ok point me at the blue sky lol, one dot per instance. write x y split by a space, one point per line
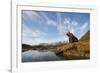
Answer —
49 27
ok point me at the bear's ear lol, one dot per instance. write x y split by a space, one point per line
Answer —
67 33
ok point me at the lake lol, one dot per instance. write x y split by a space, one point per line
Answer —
36 56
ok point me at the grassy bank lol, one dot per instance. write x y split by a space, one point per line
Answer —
77 50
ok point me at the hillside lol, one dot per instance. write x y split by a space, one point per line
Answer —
86 37
77 50
26 47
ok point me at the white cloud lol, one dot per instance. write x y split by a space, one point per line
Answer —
73 26
84 26
31 13
51 23
27 32
47 20
34 37
74 23
83 29
34 16
30 36
59 18
64 26
44 16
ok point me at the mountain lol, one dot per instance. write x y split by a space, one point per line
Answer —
26 46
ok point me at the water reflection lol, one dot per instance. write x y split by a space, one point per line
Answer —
35 56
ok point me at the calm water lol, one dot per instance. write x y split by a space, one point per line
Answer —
35 56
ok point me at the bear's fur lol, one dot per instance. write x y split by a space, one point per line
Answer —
72 38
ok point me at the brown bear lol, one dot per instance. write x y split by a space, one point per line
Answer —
72 38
